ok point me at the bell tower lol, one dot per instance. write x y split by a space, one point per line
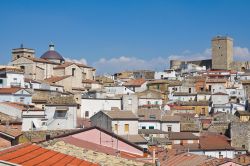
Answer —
22 52
222 52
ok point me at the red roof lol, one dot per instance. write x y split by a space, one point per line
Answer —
137 82
9 90
214 142
30 154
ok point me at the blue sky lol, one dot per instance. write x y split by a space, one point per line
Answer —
114 35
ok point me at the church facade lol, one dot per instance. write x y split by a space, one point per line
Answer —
52 68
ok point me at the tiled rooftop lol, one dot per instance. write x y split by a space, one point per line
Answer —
92 152
55 79
136 83
9 90
214 142
121 114
30 154
9 131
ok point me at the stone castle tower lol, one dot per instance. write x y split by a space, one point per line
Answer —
222 52
22 52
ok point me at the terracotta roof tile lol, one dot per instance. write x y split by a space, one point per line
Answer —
135 138
9 90
121 114
10 131
182 136
66 64
40 60
11 69
21 106
149 114
214 142
168 118
35 155
135 83
55 79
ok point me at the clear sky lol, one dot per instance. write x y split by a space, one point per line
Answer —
116 35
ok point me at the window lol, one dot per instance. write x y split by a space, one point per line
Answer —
203 111
21 99
22 67
143 127
1 81
73 71
202 89
210 87
18 56
86 114
156 102
60 114
189 90
151 127
126 128
158 86
169 128
116 127
148 102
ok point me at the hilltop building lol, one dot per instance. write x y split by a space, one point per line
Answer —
52 68
222 57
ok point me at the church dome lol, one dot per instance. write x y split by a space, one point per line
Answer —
51 54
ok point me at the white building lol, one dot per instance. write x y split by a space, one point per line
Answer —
33 120
183 96
220 98
11 77
166 74
155 119
34 84
61 116
170 123
119 122
15 95
138 85
117 90
91 106
203 96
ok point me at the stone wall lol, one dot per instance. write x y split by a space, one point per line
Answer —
36 136
240 135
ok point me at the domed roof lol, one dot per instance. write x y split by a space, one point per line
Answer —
52 54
